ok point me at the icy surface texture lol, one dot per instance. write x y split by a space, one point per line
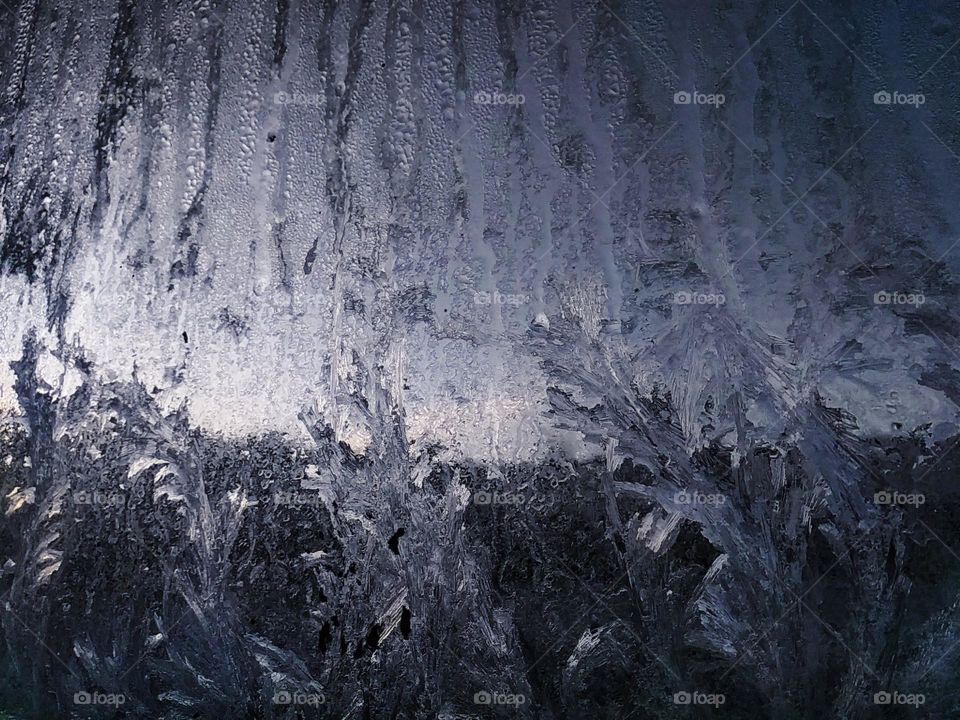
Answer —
427 359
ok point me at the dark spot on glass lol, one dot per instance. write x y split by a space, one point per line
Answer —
394 542
405 622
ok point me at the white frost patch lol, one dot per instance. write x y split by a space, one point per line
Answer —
18 497
587 642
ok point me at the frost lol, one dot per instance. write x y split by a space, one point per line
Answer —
447 360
